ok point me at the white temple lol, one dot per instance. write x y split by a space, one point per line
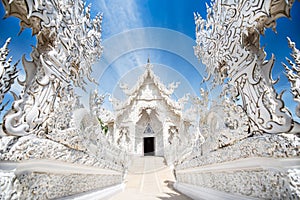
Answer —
53 148
149 120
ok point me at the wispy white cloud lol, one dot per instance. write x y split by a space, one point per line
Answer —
126 40
119 16
130 49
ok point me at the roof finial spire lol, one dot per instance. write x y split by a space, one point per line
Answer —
148 66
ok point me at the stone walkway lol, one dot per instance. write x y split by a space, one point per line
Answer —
149 178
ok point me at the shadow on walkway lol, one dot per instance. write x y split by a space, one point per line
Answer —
173 196
149 178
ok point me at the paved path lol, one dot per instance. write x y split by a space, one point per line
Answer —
149 178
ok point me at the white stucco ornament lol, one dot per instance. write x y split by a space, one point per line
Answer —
251 147
49 140
228 44
8 73
68 43
293 74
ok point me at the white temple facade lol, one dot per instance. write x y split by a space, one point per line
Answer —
51 147
149 120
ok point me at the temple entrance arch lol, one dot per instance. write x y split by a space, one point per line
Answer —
149 133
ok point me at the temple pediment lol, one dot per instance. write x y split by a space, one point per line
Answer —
148 88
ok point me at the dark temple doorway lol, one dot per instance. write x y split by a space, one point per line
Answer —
149 146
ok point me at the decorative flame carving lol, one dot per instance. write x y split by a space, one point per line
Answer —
228 44
68 44
8 73
293 74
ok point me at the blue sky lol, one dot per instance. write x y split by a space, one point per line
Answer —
131 31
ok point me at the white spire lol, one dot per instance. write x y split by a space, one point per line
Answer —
148 66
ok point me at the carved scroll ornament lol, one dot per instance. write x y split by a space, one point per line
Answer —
228 44
8 73
68 43
293 74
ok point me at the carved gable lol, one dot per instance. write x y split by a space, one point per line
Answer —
148 111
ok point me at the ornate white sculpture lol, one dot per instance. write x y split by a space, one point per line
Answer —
238 157
47 129
8 73
68 43
123 139
228 44
173 135
294 74
96 101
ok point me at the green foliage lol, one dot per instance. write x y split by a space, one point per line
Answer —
103 126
